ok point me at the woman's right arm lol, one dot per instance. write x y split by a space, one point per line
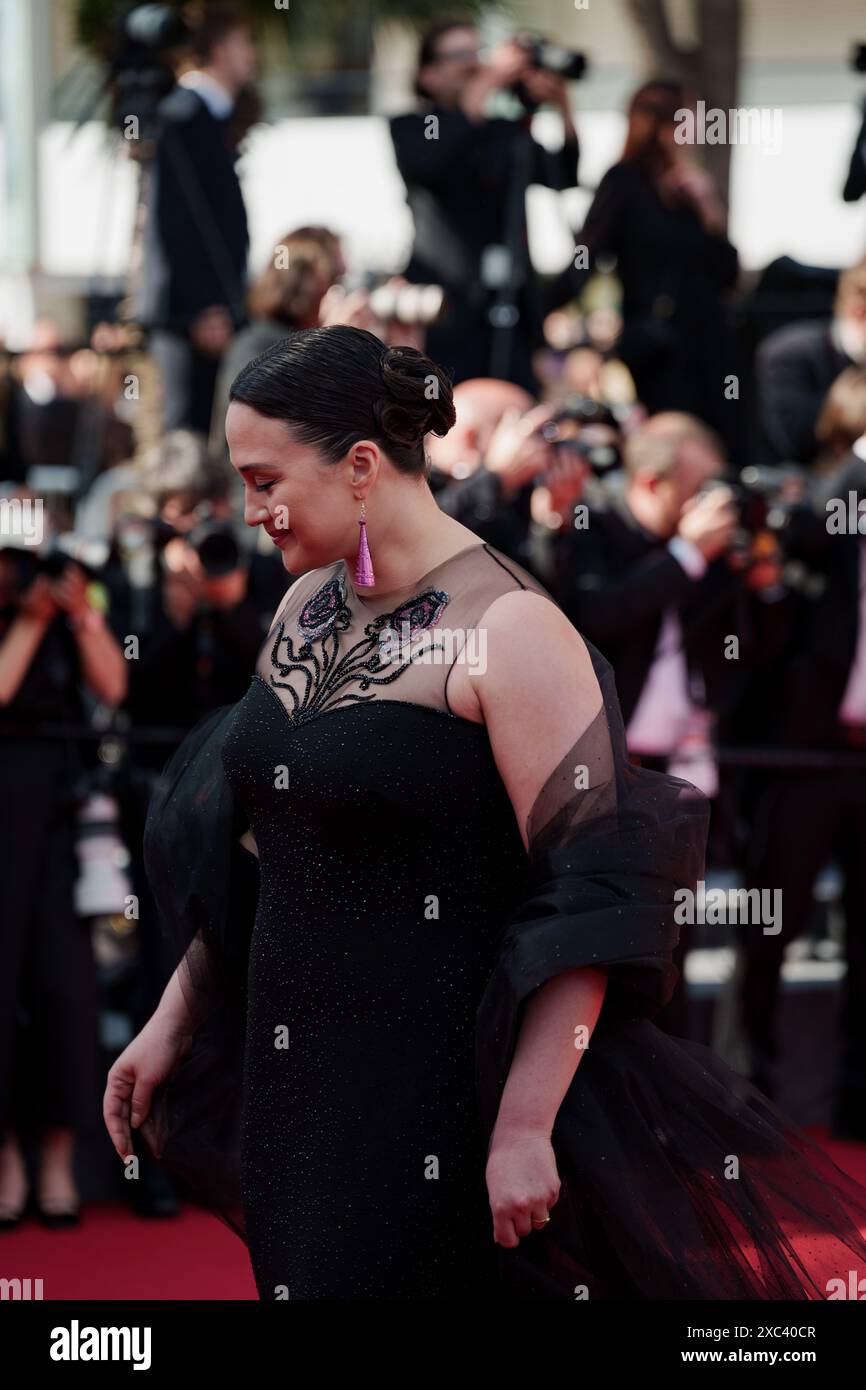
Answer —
174 1009
147 1061
167 1036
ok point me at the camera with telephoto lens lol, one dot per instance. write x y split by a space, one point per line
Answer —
25 562
216 544
588 429
763 497
553 57
140 75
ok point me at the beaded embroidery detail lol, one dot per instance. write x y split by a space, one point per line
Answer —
326 672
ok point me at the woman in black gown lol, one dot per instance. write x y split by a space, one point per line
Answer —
659 214
409 1053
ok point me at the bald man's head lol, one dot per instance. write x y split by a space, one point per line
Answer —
480 405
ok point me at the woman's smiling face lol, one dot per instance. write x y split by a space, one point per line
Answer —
306 505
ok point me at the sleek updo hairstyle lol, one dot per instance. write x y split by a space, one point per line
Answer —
334 386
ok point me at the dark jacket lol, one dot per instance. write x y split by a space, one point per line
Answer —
677 338
457 188
467 192
195 236
615 580
794 369
825 617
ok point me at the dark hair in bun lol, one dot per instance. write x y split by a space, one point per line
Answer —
334 386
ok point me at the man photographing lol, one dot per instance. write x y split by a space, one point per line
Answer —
466 178
191 295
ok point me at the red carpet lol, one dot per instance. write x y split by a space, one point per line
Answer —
115 1255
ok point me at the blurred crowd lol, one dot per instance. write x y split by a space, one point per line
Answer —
664 459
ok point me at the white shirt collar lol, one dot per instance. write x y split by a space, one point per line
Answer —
217 98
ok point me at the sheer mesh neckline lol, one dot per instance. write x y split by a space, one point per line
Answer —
373 598
330 647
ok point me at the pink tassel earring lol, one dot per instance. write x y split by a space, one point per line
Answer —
364 576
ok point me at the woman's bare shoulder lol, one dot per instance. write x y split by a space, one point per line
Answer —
535 652
537 692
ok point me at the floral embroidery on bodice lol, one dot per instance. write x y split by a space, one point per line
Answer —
329 673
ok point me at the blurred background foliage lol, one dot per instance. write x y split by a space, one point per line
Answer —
316 55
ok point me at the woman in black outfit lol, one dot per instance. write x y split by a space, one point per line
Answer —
53 643
416 1059
660 216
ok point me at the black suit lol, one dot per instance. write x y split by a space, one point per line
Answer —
458 187
794 369
801 816
615 580
195 250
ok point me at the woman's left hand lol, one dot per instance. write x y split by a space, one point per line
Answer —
522 1184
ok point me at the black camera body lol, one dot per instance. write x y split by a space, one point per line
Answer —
548 57
215 542
858 57
554 57
50 560
759 497
573 430
139 75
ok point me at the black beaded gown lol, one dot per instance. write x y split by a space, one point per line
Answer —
361 986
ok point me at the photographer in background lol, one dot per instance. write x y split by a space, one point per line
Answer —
855 183
466 191
840 422
199 603
796 366
54 646
802 816
194 256
652 579
659 214
201 613
645 555
487 469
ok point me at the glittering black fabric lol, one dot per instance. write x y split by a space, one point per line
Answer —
363 985
388 867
